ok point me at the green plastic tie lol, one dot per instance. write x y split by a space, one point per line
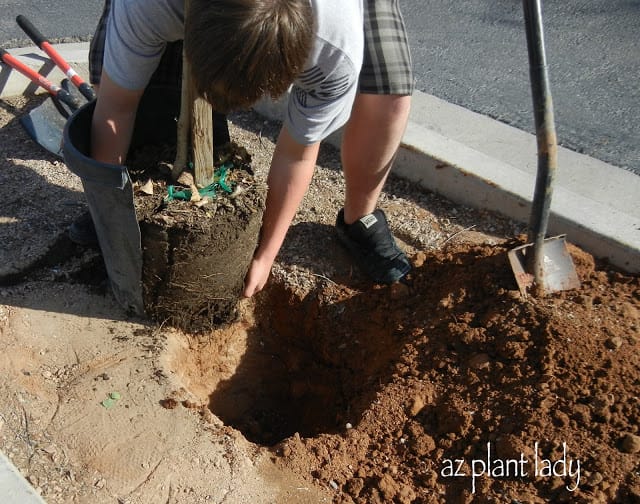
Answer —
175 194
219 180
222 177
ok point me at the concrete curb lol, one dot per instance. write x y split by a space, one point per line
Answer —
475 161
13 487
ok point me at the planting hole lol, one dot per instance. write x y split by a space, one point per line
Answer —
308 365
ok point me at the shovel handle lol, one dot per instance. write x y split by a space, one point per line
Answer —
59 93
43 43
545 135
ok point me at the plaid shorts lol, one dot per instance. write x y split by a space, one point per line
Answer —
387 60
96 46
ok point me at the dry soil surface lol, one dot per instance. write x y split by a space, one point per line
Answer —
451 387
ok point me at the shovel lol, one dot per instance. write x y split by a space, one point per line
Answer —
45 123
543 263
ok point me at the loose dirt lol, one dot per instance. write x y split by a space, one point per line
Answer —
451 387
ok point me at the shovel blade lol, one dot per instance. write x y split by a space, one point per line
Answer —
559 272
45 124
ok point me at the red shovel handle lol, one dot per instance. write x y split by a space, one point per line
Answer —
42 42
30 73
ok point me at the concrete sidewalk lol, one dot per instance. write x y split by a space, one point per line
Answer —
474 161
14 489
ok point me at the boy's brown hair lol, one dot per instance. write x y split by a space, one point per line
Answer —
240 50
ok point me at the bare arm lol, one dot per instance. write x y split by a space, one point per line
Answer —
291 171
113 121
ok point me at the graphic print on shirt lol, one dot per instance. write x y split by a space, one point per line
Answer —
314 84
322 96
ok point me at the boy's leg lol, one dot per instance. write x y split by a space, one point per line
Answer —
371 139
381 110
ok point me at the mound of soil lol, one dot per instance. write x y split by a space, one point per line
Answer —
452 388
195 256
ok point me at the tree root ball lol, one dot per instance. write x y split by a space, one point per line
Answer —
196 256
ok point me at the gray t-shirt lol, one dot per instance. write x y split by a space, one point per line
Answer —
321 98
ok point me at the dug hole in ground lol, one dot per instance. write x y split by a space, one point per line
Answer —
452 388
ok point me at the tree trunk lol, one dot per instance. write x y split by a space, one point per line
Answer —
196 118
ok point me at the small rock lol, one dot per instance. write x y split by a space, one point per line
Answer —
388 487
601 408
210 418
446 302
203 202
417 405
614 343
630 443
186 178
514 295
423 445
419 259
191 404
480 361
594 479
354 486
169 403
147 188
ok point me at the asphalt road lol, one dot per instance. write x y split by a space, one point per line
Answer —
473 53
62 19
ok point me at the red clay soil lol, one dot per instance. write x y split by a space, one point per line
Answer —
454 388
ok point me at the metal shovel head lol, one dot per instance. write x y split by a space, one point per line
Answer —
559 272
45 124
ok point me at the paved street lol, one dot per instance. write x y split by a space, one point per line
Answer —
473 53
57 20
